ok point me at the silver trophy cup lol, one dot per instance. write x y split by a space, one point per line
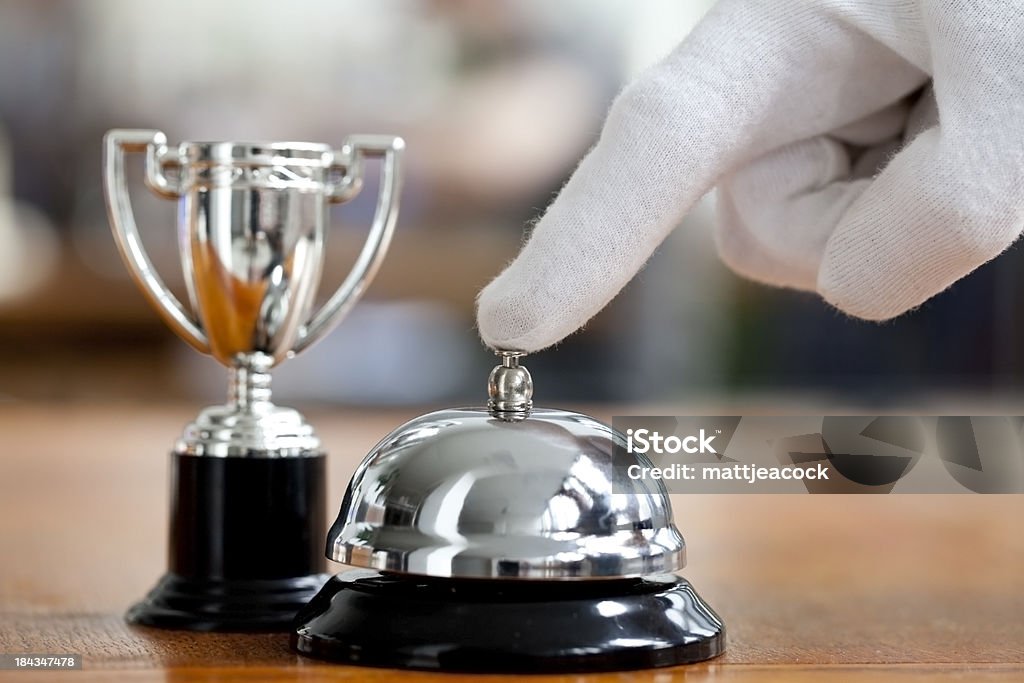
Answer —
248 476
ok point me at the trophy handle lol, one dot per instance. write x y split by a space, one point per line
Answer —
126 234
350 158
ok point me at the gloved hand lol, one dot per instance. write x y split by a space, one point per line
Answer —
832 175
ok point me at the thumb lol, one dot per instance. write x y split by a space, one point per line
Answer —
745 81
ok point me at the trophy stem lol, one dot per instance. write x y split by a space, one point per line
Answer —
249 384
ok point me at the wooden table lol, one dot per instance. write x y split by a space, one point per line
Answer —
811 587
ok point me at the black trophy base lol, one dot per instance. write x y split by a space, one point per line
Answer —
246 544
240 605
508 626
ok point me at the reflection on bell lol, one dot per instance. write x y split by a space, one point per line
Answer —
502 539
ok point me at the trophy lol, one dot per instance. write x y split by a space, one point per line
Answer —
507 538
247 497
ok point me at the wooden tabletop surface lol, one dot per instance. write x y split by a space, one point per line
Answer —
850 588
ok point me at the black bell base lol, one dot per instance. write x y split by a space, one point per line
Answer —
508 626
239 606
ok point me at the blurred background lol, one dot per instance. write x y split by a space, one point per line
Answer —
497 101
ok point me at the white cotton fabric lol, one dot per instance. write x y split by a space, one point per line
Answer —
831 177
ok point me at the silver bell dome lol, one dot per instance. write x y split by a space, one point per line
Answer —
507 491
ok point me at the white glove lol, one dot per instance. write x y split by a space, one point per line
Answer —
766 99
